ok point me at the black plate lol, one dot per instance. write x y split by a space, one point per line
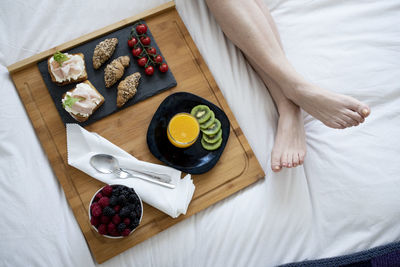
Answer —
148 86
194 159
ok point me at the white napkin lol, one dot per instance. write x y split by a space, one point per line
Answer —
82 145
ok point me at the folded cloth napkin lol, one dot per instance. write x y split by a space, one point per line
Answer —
82 145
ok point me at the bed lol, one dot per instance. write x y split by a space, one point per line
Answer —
344 199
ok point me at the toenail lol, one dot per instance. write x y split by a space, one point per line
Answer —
289 165
365 112
277 167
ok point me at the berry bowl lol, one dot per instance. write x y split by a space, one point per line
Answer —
115 211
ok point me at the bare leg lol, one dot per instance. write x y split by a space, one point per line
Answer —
247 26
289 146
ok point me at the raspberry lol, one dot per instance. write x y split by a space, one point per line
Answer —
95 221
111 227
104 201
98 196
107 190
105 219
96 211
108 211
126 232
114 233
102 229
116 219
121 227
127 221
94 205
117 208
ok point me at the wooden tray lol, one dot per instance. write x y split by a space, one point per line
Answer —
236 169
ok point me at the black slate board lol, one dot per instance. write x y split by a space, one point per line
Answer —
148 86
194 159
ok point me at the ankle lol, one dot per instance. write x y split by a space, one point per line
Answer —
287 107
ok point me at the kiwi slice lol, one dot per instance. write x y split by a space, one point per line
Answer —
201 112
213 128
208 122
213 138
211 146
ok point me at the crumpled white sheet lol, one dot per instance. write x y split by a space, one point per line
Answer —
345 198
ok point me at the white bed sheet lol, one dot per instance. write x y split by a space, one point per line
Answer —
345 198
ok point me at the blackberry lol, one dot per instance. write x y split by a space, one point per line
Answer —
125 193
131 207
133 198
132 215
121 227
122 200
138 209
124 212
108 211
113 200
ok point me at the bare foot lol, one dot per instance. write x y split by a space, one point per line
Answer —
332 109
289 147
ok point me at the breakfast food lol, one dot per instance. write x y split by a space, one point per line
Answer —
104 51
147 55
208 122
210 127
127 88
213 128
115 70
201 112
183 130
82 101
116 210
67 68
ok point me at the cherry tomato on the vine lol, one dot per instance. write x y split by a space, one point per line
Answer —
163 67
142 61
132 42
145 40
136 51
158 59
141 29
149 70
151 51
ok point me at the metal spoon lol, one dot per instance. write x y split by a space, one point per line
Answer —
108 164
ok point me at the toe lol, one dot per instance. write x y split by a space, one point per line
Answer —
295 159
275 163
355 116
284 160
301 158
362 109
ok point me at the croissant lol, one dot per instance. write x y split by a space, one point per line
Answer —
115 70
127 88
104 51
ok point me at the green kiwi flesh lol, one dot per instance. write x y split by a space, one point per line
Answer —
201 112
213 128
211 139
207 123
211 146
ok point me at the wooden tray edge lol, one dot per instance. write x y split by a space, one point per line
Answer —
78 41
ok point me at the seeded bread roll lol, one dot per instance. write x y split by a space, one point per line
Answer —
127 88
115 70
104 51
81 78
